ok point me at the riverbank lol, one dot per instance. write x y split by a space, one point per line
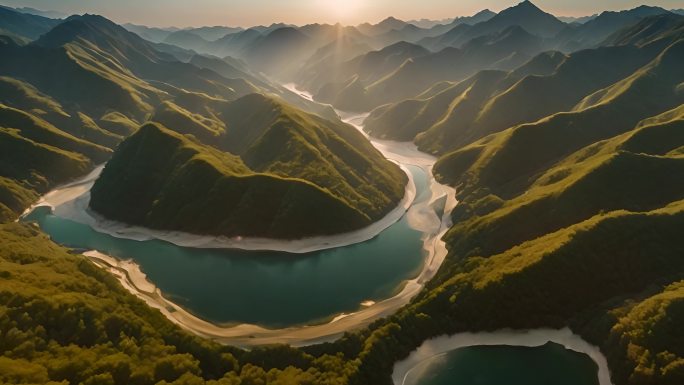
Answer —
529 338
422 215
71 202
430 216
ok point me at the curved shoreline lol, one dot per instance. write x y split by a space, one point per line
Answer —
71 200
247 335
529 338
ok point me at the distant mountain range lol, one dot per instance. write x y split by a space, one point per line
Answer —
564 141
117 81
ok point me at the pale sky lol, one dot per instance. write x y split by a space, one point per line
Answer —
244 13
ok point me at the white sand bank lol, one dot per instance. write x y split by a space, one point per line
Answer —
71 202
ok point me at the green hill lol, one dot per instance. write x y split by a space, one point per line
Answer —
578 229
507 49
330 154
507 164
568 171
37 156
226 198
467 111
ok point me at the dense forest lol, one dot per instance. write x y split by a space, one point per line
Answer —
564 141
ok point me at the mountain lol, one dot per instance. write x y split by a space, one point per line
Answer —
384 26
214 32
337 54
525 15
597 30
580 210
552 82
567 167
37 156
477 18
187 39
660 29
576 20
563 133
38 12
273 53
327 169
23 25
408 32
100 99
428 23
235 43
440 29
153 34
504 50
329 87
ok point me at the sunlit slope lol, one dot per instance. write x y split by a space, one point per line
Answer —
506 50
506 161
585 236
171 182
37 156
448 107
603 177
473 108
593 244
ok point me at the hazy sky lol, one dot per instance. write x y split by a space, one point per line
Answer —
253 12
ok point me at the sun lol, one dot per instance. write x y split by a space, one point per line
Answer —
340 9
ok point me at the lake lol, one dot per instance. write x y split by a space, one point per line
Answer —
271 289
510 365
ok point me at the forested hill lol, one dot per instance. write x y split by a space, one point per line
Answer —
567 154
175 183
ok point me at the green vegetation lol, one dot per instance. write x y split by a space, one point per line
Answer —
568 171
175 183
492 101
63 320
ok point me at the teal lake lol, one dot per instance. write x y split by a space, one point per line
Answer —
271 289
509 365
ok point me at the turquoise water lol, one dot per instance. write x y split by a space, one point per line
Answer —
550 364
272 289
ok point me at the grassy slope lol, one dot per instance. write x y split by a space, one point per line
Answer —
37 156
468 111
274 137
163 180
450 105
589 240
505 162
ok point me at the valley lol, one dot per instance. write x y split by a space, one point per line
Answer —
401 202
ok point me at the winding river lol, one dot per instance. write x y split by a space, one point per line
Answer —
257 291
249 292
